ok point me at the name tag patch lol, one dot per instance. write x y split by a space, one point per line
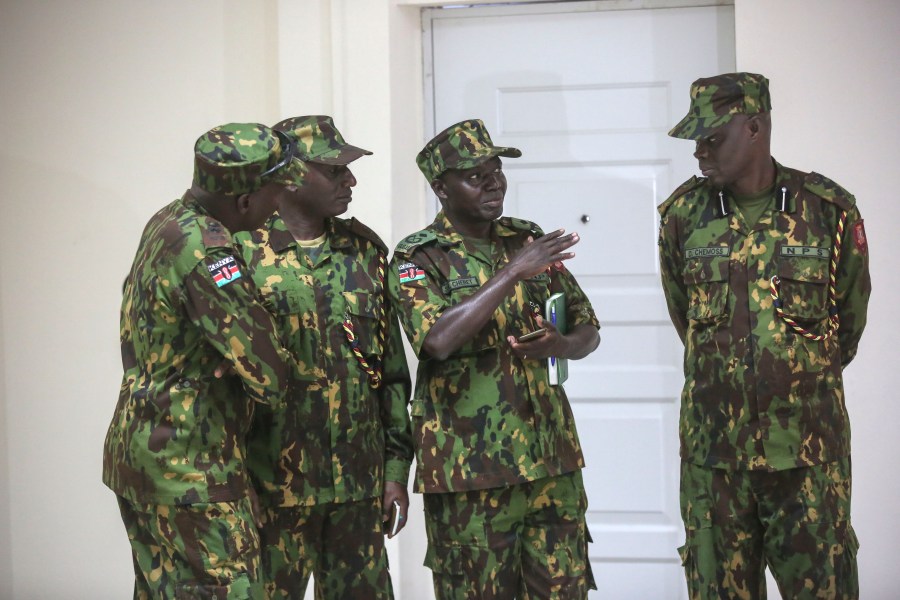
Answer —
462 282
410 272
224 271
806 251
703 252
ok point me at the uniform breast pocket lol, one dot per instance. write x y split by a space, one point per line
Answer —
364 312
706 281
803 287
288 302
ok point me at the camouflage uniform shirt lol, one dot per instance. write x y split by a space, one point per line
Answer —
483 418
758 395
177 434
337 438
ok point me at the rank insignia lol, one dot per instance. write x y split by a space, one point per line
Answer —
224 271
859 236
410 272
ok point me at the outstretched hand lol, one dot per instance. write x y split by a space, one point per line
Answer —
539 254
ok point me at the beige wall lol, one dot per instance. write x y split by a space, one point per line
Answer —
100 107
832 67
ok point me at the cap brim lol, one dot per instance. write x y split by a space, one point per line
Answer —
489 153
697 128
346 155
507 151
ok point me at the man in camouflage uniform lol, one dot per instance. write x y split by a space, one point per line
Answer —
174 452
330 466
765 271
498 457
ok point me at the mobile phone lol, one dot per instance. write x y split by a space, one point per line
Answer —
534 334
395 518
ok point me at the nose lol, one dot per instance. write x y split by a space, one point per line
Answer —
349 179
700 149
494 180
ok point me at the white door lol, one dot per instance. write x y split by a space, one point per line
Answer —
588 96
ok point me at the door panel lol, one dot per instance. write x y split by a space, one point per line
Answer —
588 96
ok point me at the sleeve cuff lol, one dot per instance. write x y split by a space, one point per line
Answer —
397 470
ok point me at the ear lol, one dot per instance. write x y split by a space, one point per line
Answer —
439 189
242 204
754 127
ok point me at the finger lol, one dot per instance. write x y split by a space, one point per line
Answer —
566 242
562 256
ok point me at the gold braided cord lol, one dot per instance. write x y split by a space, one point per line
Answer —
374 371
834 319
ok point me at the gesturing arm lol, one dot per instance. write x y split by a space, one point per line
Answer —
460 323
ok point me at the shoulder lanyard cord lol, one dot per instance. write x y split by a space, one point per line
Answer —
834 319
374 371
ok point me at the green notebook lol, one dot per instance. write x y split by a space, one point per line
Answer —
555 313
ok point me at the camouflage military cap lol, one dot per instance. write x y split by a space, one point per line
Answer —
460 146
238 158
318 140
715 100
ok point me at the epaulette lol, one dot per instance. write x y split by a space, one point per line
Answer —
692 183
522 225
358 228
411 242
214 234
828 190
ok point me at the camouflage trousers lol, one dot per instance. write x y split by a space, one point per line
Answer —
795 521
342 545
204 550
525 541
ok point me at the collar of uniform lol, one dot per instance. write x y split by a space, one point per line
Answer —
280 238
787 188
448 236
784 195
444 232
505 231
338 233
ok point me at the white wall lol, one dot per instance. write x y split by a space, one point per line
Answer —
100 108
832 66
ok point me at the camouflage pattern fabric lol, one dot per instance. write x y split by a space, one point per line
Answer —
482 418
526 541
757 395
238 158
460 146
177 434
204 550
318 140
343 544
797 520
337 439
715 100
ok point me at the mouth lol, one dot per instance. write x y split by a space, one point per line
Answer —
705 170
